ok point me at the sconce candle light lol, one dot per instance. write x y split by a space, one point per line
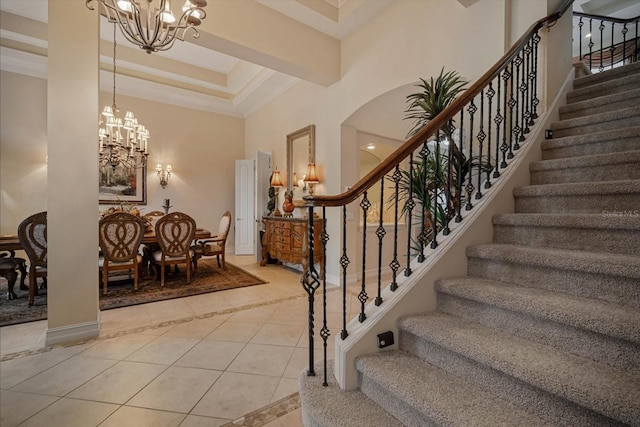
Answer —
163 174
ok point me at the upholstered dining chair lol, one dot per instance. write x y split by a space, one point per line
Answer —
32 233
120 236
214 246
175 232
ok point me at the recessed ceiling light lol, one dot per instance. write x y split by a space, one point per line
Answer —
370 147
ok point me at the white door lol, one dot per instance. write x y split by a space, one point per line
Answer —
263 174
245 196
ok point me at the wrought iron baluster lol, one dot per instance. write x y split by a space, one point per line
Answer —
490 94
612 48
512 104
310 283
449 211
504 147
395 264
422 237
480 137
624 43
591 44
601 28
410 204
580 25
434 202
535 101
526 78
362 296
459 177
517 130
469 187
344 263
498 119
324 331
380 232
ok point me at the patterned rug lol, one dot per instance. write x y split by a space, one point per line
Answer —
208 278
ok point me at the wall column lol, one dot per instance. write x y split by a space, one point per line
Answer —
72 190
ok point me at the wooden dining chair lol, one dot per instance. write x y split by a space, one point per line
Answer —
32 233
214 246
175 232
120 236
152 217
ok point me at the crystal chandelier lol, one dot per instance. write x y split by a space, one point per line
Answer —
121 143
150 24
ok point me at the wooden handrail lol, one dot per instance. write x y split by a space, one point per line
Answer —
607 18
438 122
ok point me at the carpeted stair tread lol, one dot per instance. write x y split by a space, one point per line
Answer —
601 104
585 313
593 160
628 186
625 117
625 138
442 398
614 73
621 84
609 391
591 262
332 407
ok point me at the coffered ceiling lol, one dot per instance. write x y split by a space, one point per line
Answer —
224 71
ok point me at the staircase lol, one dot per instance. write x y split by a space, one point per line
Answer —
545 328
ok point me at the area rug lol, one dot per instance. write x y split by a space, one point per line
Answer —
208 278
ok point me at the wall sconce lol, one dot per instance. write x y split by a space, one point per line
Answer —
311 177
276 182
163 174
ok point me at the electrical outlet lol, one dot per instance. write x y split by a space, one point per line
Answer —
385 339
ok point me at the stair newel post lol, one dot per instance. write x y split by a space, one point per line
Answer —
535 101
410 204
344 263
469 187
434 200
362 296
480 137
459 177
310 283
380 232
324 331
422 236
395 264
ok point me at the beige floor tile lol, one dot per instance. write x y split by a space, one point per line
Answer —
234 331
211 354
118 383
163 350
177 389
208 303
15 371
286 335
195 329
71 413
292 419
286 387
66 376
21 337
172 309
262 359
298 362
157 331
254 315
15 407
198 421
234 395
118 348
128 416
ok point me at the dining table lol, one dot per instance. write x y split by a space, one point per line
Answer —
9 263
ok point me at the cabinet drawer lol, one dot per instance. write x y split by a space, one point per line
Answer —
282 232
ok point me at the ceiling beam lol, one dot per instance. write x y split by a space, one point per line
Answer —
253 32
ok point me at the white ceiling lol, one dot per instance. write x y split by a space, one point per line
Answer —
214 81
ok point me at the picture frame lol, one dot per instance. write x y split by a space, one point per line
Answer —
122 184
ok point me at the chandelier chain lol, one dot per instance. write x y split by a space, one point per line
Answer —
115 107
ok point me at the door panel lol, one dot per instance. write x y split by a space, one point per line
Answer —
245 211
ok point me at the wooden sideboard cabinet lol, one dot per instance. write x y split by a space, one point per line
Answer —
284 239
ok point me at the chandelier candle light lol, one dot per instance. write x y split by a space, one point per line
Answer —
150 24
130 150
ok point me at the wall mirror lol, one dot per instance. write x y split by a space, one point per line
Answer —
301 150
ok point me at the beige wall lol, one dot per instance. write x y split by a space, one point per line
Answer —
201 147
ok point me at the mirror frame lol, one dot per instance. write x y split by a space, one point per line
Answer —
291 138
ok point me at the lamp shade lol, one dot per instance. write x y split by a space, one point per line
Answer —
276 181
311 175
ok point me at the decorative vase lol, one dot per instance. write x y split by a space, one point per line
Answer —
288 205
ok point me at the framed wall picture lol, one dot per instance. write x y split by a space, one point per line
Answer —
122 184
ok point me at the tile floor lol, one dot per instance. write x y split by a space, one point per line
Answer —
206 360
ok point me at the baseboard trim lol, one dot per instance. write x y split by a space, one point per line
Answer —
70 333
